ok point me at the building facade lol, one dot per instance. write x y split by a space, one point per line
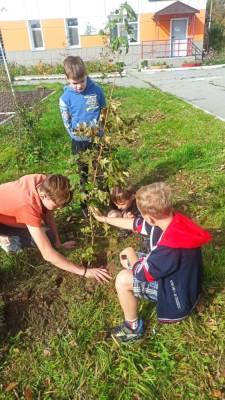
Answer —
48 30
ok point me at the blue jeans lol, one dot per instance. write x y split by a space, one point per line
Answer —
79 146
23 235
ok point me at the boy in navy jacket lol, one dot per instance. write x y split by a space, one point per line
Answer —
171 273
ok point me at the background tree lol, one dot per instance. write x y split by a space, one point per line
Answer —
215 25
124 15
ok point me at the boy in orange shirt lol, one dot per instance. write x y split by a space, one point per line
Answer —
26 207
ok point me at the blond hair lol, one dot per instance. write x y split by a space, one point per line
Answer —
74 68
57 188
155 200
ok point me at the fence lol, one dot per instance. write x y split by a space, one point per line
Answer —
7 94
10 98
169 48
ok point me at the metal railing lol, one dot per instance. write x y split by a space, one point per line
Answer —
169 48
196 52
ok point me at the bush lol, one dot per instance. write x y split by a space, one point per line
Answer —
144 64
217 36
42 68
214 58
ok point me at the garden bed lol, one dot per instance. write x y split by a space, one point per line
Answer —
23 98
191 64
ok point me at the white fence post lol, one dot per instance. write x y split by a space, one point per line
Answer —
2 51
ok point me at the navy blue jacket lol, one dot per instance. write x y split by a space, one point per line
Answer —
175 261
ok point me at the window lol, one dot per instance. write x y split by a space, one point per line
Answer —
133 35
90 30
36 34
72 31
119 29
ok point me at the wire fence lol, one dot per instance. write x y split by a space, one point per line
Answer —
7 93
11 98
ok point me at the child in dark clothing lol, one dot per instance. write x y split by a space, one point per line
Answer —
124 202
171 273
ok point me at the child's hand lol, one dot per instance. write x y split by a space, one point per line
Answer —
68 245
128 214
124 260
97 214
128 257
100 274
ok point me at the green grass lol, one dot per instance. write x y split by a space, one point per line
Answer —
56 345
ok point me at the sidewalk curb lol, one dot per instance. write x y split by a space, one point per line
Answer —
60 77
149 71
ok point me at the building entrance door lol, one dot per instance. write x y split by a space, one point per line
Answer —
179 37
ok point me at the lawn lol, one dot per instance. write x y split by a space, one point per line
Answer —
55 344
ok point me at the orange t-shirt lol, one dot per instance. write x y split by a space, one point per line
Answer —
20 203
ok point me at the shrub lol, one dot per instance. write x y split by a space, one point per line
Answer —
42 68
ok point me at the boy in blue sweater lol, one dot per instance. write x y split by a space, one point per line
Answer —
81 103
170 274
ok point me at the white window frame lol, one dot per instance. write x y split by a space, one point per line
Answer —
130 23
30 29
67 33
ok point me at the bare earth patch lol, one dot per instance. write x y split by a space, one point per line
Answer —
23 98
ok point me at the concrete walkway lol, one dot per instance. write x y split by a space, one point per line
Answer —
204 88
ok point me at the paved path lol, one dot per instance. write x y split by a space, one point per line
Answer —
203 88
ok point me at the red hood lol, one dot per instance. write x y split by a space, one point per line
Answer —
182 232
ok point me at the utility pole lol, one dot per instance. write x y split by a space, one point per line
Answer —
210 15
209 23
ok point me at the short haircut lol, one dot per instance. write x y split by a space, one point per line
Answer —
155 200
118 195
57 188
74 68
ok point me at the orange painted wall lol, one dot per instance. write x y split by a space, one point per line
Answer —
54 33
92 40
147 27
15 35
160 30
200 25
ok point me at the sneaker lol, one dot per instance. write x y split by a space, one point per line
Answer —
124 333
10 244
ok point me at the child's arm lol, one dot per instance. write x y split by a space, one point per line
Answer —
129 255
123 223
50 221
66 117
163 261
52 256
